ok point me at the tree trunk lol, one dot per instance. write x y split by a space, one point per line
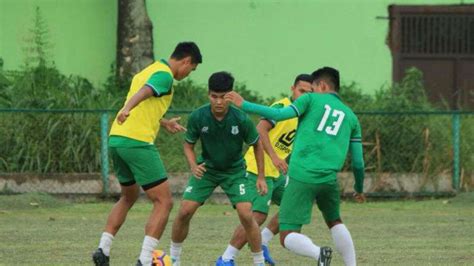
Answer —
134 38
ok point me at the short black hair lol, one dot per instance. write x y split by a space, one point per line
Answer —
303 77
329 74
184 49
221 82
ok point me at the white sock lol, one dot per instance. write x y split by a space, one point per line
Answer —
175 250
267 235
230 253
106 243
258 258
302 245
344 245
149 244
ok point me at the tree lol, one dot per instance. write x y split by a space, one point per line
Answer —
37 47
134 38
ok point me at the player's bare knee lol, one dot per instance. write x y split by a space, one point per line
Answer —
185 214
259 217
162 201
129 198
167 204
127 201
246 219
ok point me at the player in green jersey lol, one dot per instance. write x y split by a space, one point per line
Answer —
327 129
277 140
222 129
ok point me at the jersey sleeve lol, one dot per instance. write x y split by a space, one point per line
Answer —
192 129
357 156
161 83
250 131
301 105
274 105
268 112
356 134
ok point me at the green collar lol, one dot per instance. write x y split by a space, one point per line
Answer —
335 95
165 62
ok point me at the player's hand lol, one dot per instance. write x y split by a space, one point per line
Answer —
122 116
262 188
198 170
234 98
172 125
359 197
280 164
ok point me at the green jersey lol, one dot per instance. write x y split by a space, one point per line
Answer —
221 141
326 129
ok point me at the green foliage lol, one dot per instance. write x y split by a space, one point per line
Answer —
37 44
353 96
49 142
116 86
189 95
408 95
70 142
397 142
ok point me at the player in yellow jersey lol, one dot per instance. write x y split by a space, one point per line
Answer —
277 139
135 157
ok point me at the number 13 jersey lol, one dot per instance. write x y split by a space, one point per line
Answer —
326 128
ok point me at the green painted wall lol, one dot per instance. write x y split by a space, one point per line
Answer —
82 32
263 43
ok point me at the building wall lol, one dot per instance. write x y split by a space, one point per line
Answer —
82 33
264 43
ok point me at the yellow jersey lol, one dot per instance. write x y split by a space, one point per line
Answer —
281 138
143 123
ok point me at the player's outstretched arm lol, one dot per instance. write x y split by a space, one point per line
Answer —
263 128
265 111
358 170
198 170
141 95
261 182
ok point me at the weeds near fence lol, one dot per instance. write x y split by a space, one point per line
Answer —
70 142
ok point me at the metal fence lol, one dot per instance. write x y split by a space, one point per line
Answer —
424 146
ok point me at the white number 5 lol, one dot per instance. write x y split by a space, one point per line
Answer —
334 128
242 189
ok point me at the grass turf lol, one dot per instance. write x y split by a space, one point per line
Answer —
40 229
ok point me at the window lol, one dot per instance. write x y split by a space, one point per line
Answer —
438 40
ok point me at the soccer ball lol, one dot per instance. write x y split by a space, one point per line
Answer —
160 258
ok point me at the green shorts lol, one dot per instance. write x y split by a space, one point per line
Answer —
140 165
233 183
297 203
276 187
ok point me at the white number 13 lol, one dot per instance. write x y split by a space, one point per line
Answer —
334 128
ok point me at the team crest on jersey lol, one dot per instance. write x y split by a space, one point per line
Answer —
235 130
205 130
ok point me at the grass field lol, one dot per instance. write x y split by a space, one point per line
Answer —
39 229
